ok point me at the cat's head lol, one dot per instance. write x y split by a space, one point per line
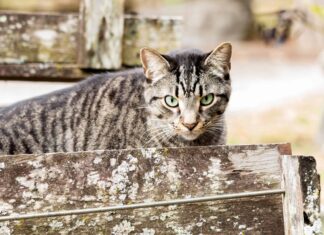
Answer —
187 92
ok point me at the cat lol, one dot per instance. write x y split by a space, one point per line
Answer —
175 100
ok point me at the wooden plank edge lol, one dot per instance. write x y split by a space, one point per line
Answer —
311 188
293 199
42 71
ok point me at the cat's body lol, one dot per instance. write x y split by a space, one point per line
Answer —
110 111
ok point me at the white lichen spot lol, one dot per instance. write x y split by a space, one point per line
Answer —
42 187
154 217
316 228
4 229
168 215
39 174
103 184
214 171
30 184
5 208
173 175
150 153
79 223
25 37
148 231
12 201
120 183
133 191
2 166
113 162
3 19
178 229
97 160
54 172
124 228
46 36
89 198
18 26
56 224
93 178
242 226
38 205
67 26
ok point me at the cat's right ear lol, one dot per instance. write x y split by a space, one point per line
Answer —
154 64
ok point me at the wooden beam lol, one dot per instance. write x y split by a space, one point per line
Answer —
311 188
29 42
44 71
68 181
161 33
293 198
32 38
101 32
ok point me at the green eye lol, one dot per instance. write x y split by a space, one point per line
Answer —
171 101
207 99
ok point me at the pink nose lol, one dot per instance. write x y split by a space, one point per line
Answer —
190 126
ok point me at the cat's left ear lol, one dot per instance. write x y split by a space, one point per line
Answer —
154 64
221 56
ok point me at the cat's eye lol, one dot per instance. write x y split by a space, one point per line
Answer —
207 99
171 101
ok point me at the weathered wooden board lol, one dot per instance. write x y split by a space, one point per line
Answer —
65 181
161 33
38 38
293 201
311 188
258 215
51 45
101 33
42 71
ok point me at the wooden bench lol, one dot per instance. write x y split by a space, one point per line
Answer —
252 189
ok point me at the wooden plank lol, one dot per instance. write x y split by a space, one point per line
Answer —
42 71
311 188
38 38
55 182
101 32
293 201
258 215
161 33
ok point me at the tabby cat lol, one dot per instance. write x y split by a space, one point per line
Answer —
179 100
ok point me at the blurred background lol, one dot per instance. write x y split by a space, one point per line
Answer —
277 65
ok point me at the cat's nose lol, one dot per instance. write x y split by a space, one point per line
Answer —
190 126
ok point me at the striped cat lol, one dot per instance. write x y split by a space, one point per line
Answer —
179 100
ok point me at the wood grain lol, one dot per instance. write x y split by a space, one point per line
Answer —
63 181
293 199
42 71
161 33
101 32
30 38
311 188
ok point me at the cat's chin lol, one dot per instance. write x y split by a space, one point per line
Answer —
190 136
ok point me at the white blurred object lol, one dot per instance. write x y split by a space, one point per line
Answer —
14 91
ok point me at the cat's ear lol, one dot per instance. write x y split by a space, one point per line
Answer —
154 64
220 56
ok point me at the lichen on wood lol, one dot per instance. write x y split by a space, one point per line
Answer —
161 33
43 71
32 38
101 32
65 181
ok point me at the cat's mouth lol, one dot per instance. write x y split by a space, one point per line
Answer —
190 135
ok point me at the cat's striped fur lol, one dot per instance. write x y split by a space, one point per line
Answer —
124 109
